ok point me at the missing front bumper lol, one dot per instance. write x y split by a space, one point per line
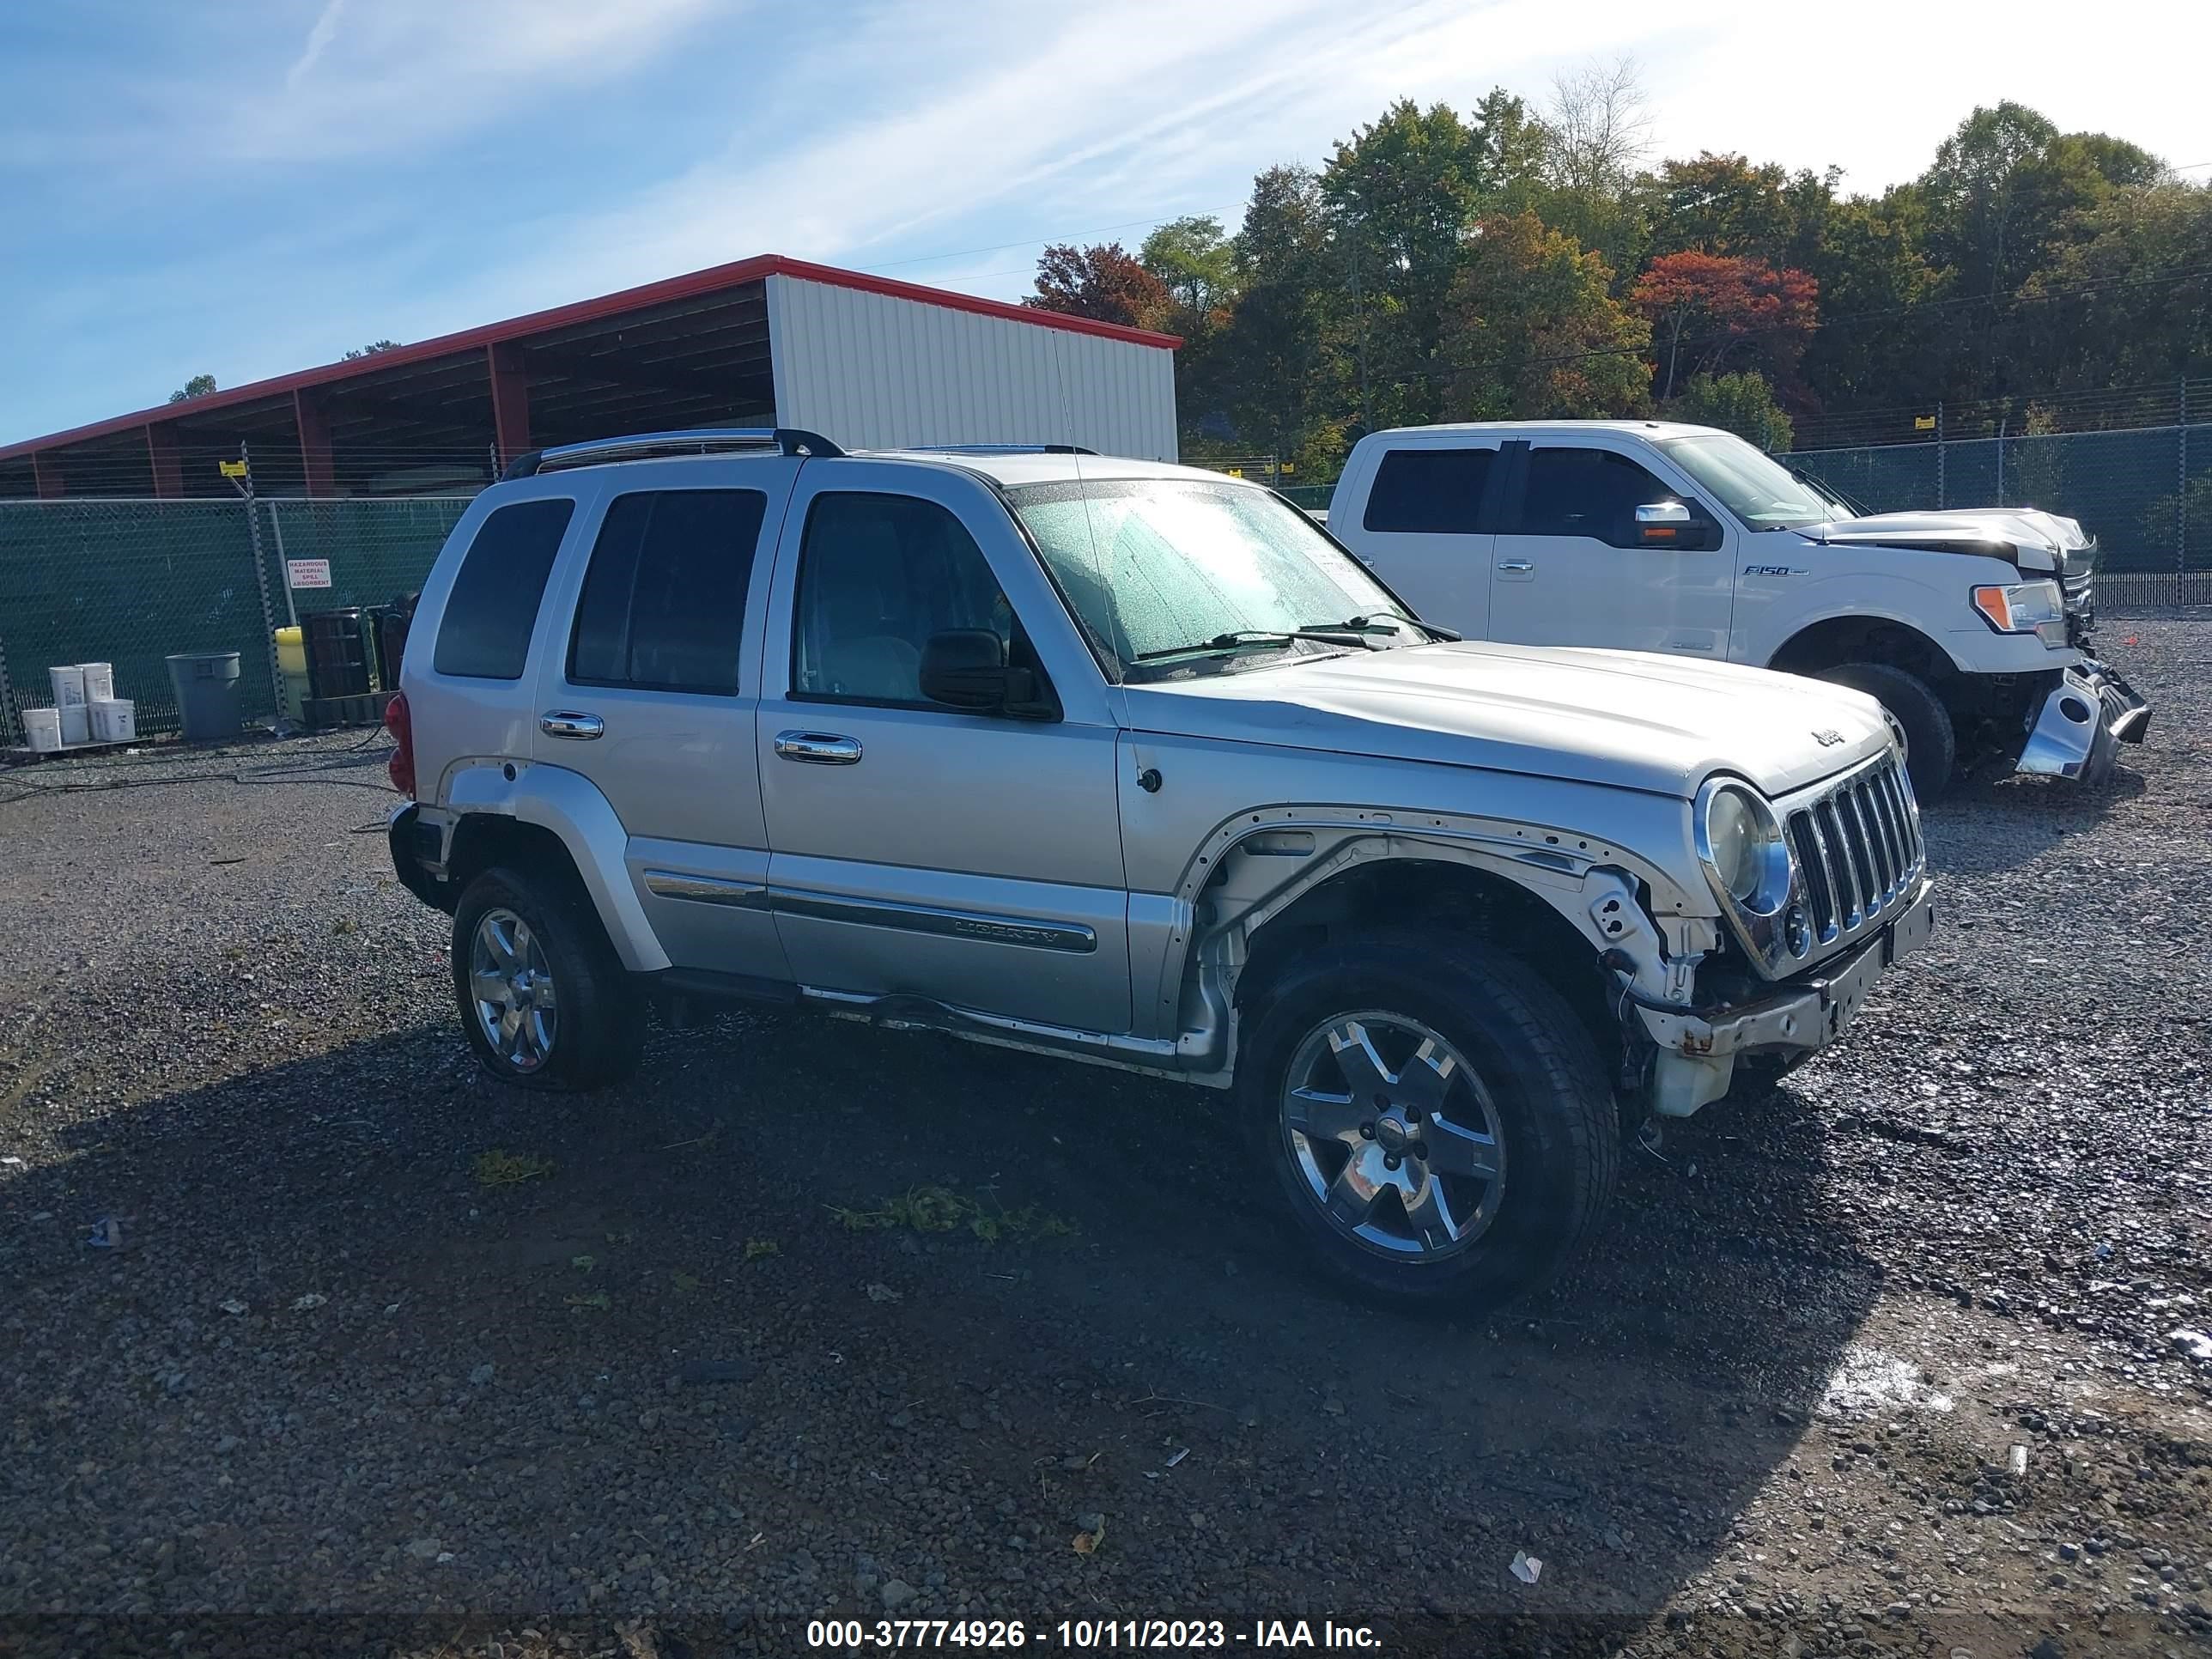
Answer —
2079 730
1697 1054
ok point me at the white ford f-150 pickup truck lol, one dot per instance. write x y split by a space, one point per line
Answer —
1972 628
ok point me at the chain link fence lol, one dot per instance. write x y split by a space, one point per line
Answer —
132 582
2145 494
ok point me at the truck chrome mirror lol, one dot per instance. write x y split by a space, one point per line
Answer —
1665 524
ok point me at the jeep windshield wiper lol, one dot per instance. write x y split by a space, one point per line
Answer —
1241 638
1371 626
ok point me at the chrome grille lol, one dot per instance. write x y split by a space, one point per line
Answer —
1858 846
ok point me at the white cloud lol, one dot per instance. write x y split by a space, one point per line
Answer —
403 73
319 42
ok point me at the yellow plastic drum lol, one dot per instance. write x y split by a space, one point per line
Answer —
292 661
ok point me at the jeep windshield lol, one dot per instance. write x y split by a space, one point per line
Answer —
1177 575
1756 488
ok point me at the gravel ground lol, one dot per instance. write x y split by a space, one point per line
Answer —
1880 1362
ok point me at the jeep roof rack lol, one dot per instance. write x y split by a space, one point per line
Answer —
1002 449
789 440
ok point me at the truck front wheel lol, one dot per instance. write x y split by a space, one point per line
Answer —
1433 1115
1931 746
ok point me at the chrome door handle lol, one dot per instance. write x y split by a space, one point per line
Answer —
1517 564
569 723
821 748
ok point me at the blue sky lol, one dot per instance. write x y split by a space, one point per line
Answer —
249 188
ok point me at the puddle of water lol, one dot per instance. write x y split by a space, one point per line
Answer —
1870 1380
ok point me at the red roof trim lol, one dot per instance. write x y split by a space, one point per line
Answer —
585 311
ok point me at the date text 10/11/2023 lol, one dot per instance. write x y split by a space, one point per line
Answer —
855 1635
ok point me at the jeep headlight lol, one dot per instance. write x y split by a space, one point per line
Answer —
1743 847
2021 607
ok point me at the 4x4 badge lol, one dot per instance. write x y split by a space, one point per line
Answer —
1826 738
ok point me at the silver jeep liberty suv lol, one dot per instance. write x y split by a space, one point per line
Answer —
1134 764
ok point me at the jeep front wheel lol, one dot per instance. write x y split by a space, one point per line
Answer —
544 1000
1434 1115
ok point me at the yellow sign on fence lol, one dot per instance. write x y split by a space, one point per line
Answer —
231 468
1923 422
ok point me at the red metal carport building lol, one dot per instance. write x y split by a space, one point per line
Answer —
866 361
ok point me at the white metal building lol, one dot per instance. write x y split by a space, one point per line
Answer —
867 362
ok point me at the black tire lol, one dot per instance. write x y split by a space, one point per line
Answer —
1546 1089
1931 746
599 1019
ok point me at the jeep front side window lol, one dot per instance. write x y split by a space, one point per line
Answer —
1157 566
877 575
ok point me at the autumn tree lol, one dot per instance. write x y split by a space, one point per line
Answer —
1531 329
1712 304
1104 283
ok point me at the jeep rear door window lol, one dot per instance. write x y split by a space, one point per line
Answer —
493 608
877 575
663 606
1587 492
1428 491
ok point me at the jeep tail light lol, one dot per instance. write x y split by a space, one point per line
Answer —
401 766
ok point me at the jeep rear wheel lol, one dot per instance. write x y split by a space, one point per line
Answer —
544 1000
1434 1117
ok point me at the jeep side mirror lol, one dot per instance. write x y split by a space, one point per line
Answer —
966 668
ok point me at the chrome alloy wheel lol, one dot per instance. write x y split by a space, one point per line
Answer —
1397 1137
513 989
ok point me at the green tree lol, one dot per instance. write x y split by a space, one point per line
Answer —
1511 150
1197 265
1401 193
1723 204
369 350
198 386
2128 300
2006 186
1743 404
1532 330
1287 366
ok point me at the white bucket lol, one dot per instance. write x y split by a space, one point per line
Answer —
76 723
99 681
68 687
114 720
43 727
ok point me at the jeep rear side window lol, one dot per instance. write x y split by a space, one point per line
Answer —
663 607
1586 492
493 609
1428 491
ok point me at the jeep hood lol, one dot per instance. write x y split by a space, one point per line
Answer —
1628 719
2028 539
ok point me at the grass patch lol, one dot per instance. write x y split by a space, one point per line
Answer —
501 1168
759 1249
941 1210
